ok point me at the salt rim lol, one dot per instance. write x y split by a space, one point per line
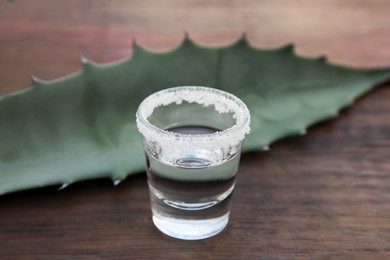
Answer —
223 102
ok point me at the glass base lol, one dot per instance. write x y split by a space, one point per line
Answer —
190 229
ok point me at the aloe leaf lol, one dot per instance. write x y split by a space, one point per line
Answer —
82 126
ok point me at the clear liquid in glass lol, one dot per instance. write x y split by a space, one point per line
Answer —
191 208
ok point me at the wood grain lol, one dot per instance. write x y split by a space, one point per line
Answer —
323 195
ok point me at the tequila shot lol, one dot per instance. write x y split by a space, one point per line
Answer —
192 140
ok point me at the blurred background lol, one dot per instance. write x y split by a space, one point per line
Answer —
47 37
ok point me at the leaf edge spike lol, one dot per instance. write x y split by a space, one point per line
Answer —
186 39
242 40
64 186
335 114
118 176
137 46
116 182
350 102
134 43
288 48
84 61
265 148
322 59
302 131
35 80
186 35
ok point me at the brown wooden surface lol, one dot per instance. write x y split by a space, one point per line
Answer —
324 195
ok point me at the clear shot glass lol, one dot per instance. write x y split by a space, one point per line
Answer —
192 140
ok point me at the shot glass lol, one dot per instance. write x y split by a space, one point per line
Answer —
192 140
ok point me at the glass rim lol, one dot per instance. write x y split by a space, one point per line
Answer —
229 103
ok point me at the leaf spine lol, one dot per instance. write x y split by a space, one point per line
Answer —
84 60
63 186
116 181
265 147
302 131
322 59
35 80
289 48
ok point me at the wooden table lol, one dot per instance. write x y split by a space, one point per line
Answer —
324 195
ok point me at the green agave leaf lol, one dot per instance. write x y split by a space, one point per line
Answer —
82 126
